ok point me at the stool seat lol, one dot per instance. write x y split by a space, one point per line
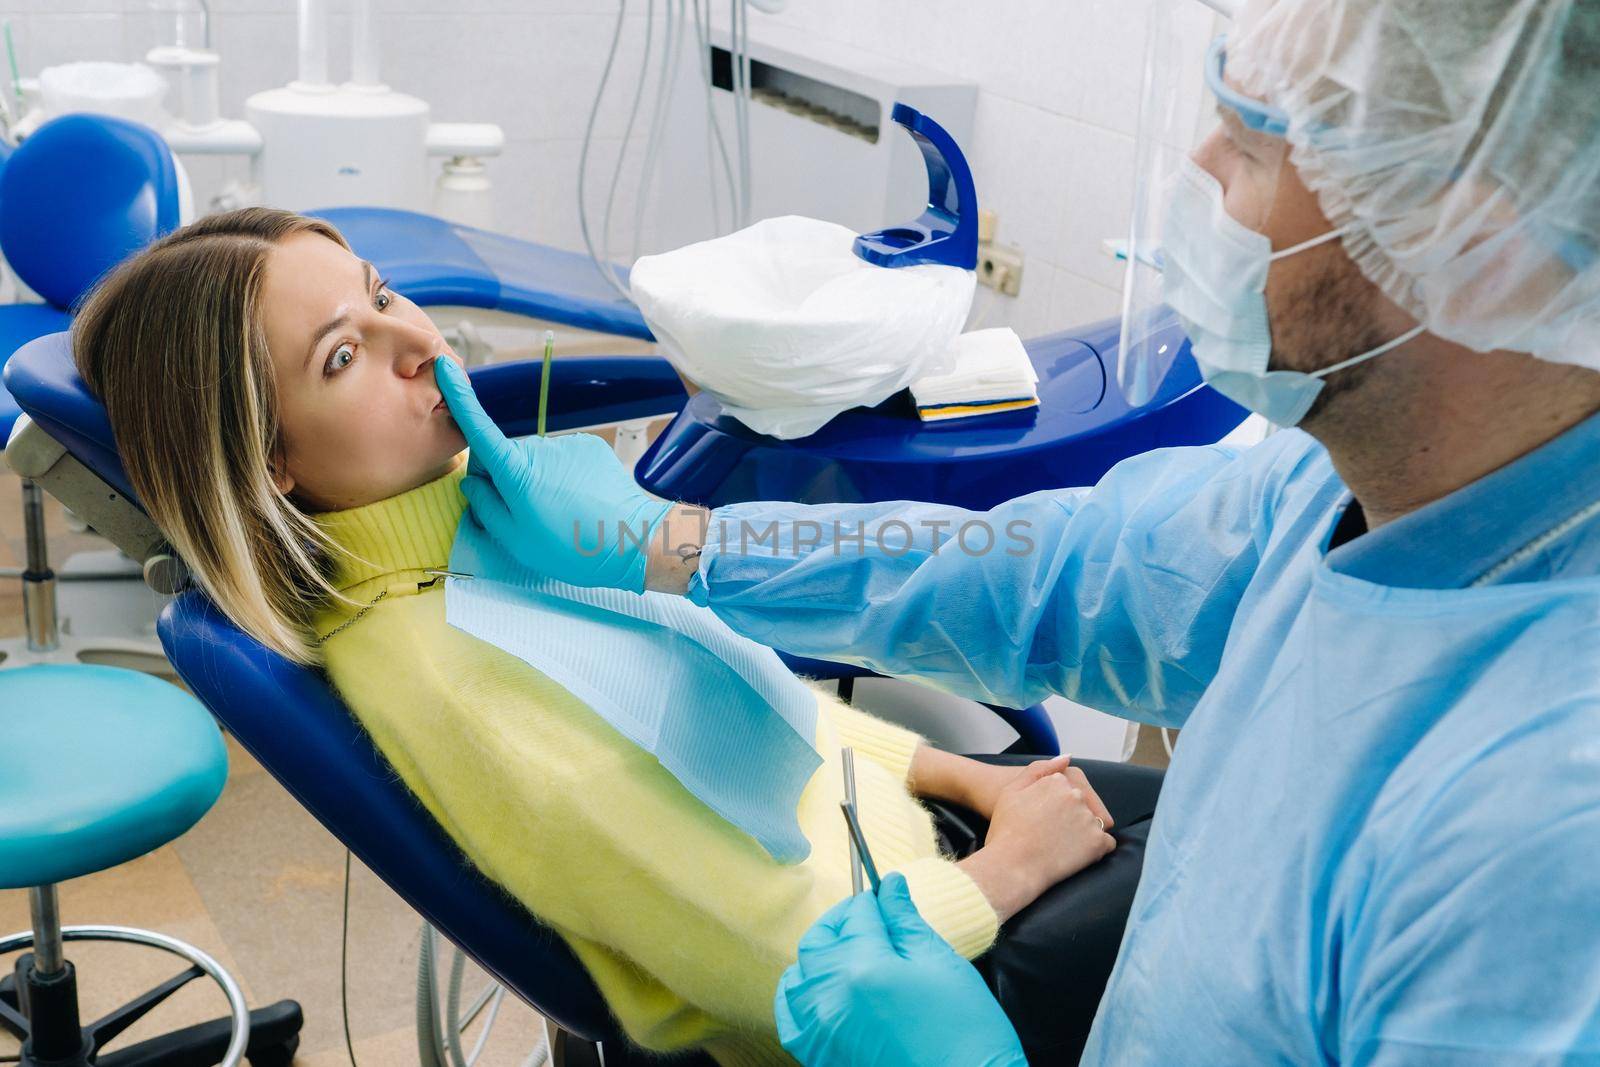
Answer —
98 765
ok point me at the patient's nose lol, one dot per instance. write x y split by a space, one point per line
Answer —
414 348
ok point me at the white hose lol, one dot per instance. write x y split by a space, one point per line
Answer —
745 179
430 1042
739 55
452 1010
439 1038
498 996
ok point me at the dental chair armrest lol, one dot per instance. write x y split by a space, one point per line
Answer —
35 455
584 391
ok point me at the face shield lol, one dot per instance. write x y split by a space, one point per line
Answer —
1191 115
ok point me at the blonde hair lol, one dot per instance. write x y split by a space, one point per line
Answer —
172 343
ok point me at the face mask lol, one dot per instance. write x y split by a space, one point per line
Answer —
1214 273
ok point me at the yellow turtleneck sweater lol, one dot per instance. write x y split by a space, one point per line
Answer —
684 921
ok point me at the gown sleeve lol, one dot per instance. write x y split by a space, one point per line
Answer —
1118 596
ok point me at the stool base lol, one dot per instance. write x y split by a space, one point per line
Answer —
267 1037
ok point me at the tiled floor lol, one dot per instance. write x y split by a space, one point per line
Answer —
258 884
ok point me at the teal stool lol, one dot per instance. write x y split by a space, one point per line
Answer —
98 766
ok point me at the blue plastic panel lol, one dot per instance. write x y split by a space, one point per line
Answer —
82 193
1081 428
433 262
947 231
19 324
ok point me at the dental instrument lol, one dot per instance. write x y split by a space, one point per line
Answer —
858 848
860 855
847 759
544 377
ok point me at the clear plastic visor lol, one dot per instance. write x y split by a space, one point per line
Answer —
1190 109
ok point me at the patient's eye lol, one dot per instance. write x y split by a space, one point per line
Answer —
338 360
383 298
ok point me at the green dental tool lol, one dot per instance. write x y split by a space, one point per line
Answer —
544 377
16 72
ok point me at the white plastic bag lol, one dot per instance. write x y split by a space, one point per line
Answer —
125 90
787 327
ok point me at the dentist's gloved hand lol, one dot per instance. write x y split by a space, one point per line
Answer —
875 986
559 505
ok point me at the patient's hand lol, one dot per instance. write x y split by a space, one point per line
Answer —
977 785
1044 829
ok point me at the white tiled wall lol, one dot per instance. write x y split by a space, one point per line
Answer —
530 66
1053 151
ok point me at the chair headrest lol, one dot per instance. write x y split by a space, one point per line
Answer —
42 378
81 194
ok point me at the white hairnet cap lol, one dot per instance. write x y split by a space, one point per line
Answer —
1460 142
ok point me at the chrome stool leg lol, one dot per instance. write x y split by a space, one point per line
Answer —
41 1005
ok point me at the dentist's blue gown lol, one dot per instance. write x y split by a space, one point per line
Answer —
1380 840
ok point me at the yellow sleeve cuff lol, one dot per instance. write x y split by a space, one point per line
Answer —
953 905
885 744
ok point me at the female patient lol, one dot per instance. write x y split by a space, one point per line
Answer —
276 411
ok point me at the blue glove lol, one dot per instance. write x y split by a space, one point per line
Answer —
875 986
564 506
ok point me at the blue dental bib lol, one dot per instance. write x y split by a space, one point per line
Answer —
720 712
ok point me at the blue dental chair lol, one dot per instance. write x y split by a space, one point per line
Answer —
291 721
51 201
287 717
435 262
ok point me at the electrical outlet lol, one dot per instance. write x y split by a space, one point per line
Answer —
1000 268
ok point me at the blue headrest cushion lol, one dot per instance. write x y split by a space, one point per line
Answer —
79 196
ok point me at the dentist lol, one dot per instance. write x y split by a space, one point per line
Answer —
1380 632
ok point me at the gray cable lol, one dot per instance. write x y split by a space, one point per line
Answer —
713 124
658 117
627 136
583 156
